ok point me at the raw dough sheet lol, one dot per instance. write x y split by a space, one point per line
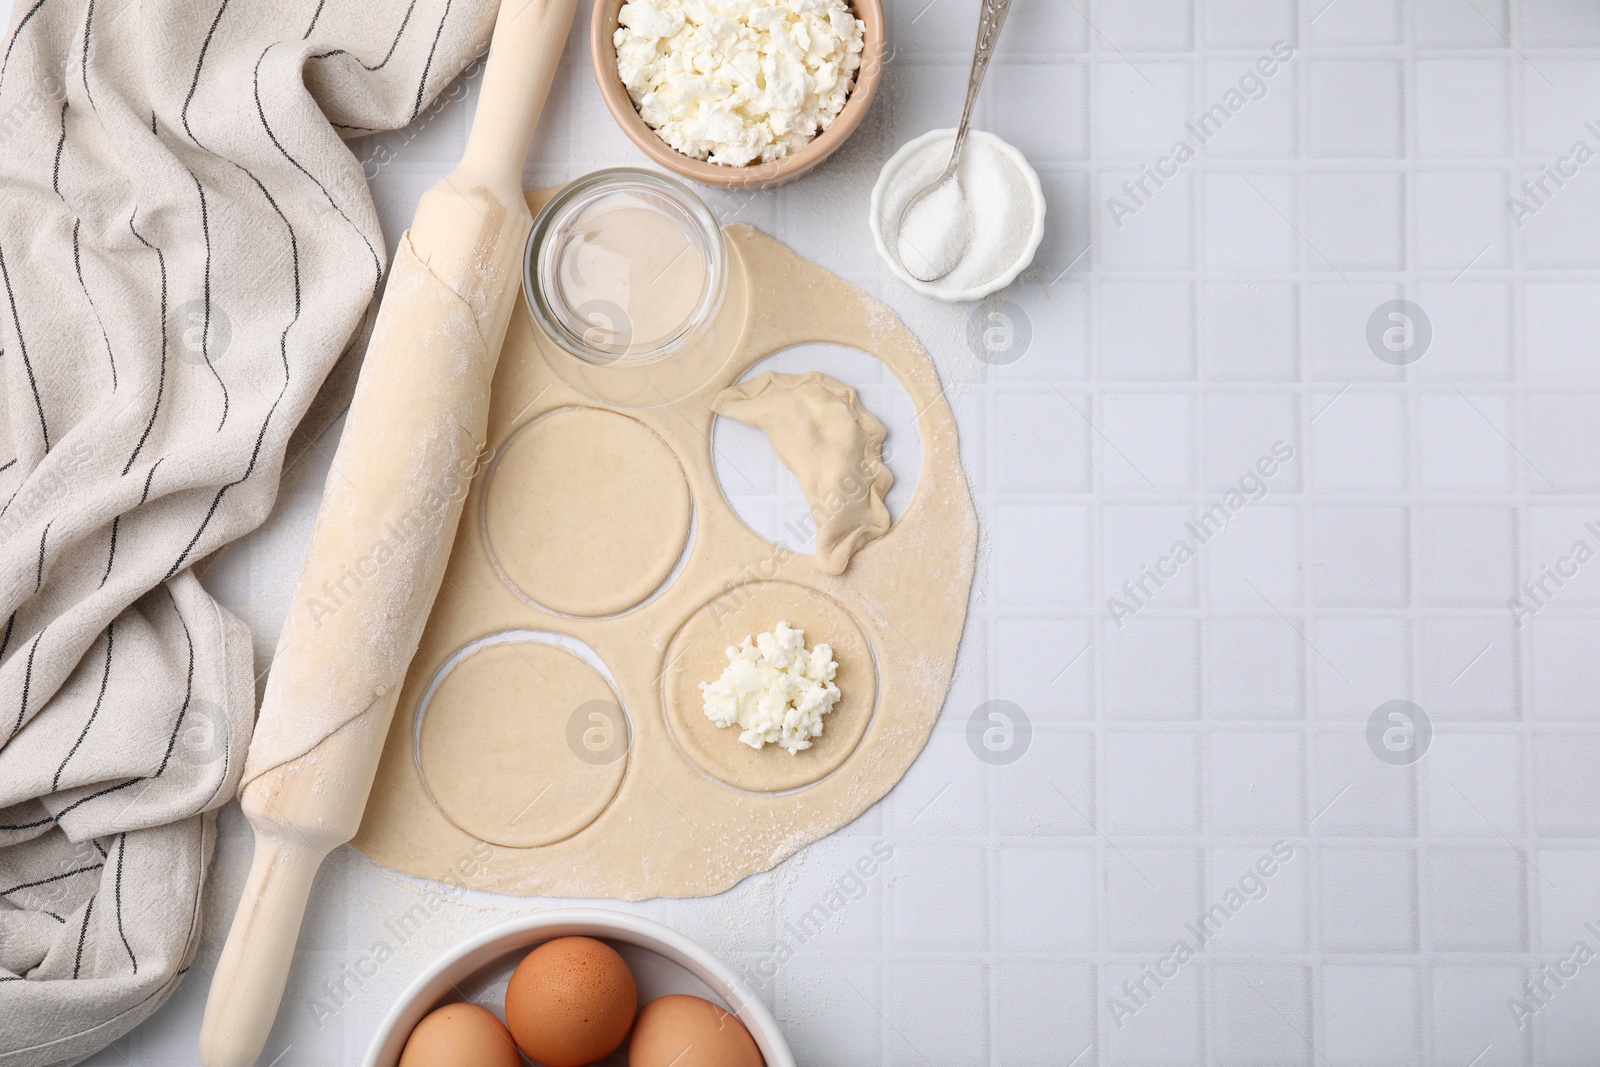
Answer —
553 710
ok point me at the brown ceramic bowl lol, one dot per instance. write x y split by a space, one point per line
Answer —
756 175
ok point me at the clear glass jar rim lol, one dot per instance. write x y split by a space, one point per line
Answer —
587 188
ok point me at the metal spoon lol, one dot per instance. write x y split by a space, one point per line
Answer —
931 264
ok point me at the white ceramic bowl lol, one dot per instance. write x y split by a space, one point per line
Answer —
880 193
663 962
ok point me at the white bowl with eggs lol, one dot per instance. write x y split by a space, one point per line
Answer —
663 962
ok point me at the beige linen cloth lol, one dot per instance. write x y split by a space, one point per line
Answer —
187 248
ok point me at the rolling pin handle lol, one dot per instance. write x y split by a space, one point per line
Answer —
249 983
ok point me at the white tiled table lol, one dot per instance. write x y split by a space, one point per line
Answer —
1169 754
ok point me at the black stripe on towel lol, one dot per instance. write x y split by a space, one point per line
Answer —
27 683
52 878
422 83
283 355
77 263
315 15
262 112
161 386
32 11
11 296
205 327
107 791
55 174
77 963
172 740
116 520
38 577
205 217
255 456
394 46
88 23
122 849
194 83
105 676
188 691
148 478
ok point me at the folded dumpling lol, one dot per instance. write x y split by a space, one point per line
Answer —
832 444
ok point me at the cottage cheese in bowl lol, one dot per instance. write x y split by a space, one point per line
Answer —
738 82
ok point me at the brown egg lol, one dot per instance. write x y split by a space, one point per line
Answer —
460 1035
571 1001
685 1031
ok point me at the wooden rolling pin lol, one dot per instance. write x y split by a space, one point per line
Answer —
393 500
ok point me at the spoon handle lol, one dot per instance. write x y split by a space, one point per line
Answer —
991 18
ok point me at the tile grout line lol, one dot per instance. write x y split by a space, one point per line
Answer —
1517 80
1422 912
1309 668
1200 258
1100 979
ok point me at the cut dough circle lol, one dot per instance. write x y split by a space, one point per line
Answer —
747 610
587 512
502 750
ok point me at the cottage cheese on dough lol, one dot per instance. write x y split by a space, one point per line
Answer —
738 81
774 689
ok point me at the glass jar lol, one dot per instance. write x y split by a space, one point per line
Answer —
625 267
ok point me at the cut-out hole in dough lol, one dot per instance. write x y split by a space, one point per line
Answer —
766 494
832 444
698 654
521 741
590 538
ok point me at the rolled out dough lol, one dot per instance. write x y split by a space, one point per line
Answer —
499 750
694 811
586 511
832 444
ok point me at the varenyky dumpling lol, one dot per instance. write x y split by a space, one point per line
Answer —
832 444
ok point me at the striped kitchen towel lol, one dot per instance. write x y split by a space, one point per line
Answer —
187 249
